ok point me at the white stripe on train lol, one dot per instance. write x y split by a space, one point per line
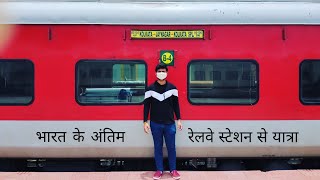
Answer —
21 139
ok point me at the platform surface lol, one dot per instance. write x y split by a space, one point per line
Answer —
146 175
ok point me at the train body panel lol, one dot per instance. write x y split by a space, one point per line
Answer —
278 61
92 75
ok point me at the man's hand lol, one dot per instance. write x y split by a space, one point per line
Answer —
179 125
146 127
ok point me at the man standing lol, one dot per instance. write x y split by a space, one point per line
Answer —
161 99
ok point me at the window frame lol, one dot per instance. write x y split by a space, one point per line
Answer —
117 61
33 88
300 82
223 60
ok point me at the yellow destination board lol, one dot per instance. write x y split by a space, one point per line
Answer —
169 34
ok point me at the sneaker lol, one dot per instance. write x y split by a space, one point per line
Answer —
175 174
157 175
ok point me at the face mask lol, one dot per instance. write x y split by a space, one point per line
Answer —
161 75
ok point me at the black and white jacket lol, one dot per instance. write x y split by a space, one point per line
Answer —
162 102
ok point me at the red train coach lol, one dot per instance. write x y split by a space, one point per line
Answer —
73 75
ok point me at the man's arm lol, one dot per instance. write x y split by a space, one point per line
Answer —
176 108
146 109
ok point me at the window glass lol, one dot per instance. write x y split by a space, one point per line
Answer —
16 82
110 82
310 82
223 82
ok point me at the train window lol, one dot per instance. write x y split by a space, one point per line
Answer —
223 82
100 82
215 75
310 82
232 75
16 82
246 75
199 75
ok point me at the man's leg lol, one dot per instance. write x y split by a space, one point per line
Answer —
157 134
170 138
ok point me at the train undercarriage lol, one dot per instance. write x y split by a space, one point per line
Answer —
147 164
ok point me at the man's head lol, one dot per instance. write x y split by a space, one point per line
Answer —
161 71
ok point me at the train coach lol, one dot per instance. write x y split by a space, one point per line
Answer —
73 76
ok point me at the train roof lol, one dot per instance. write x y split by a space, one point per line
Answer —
116 1
162 12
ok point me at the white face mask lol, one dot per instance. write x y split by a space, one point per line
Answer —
161 75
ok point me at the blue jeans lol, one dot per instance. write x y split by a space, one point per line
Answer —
168 131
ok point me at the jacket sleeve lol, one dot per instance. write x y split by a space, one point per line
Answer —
176 106
147 103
